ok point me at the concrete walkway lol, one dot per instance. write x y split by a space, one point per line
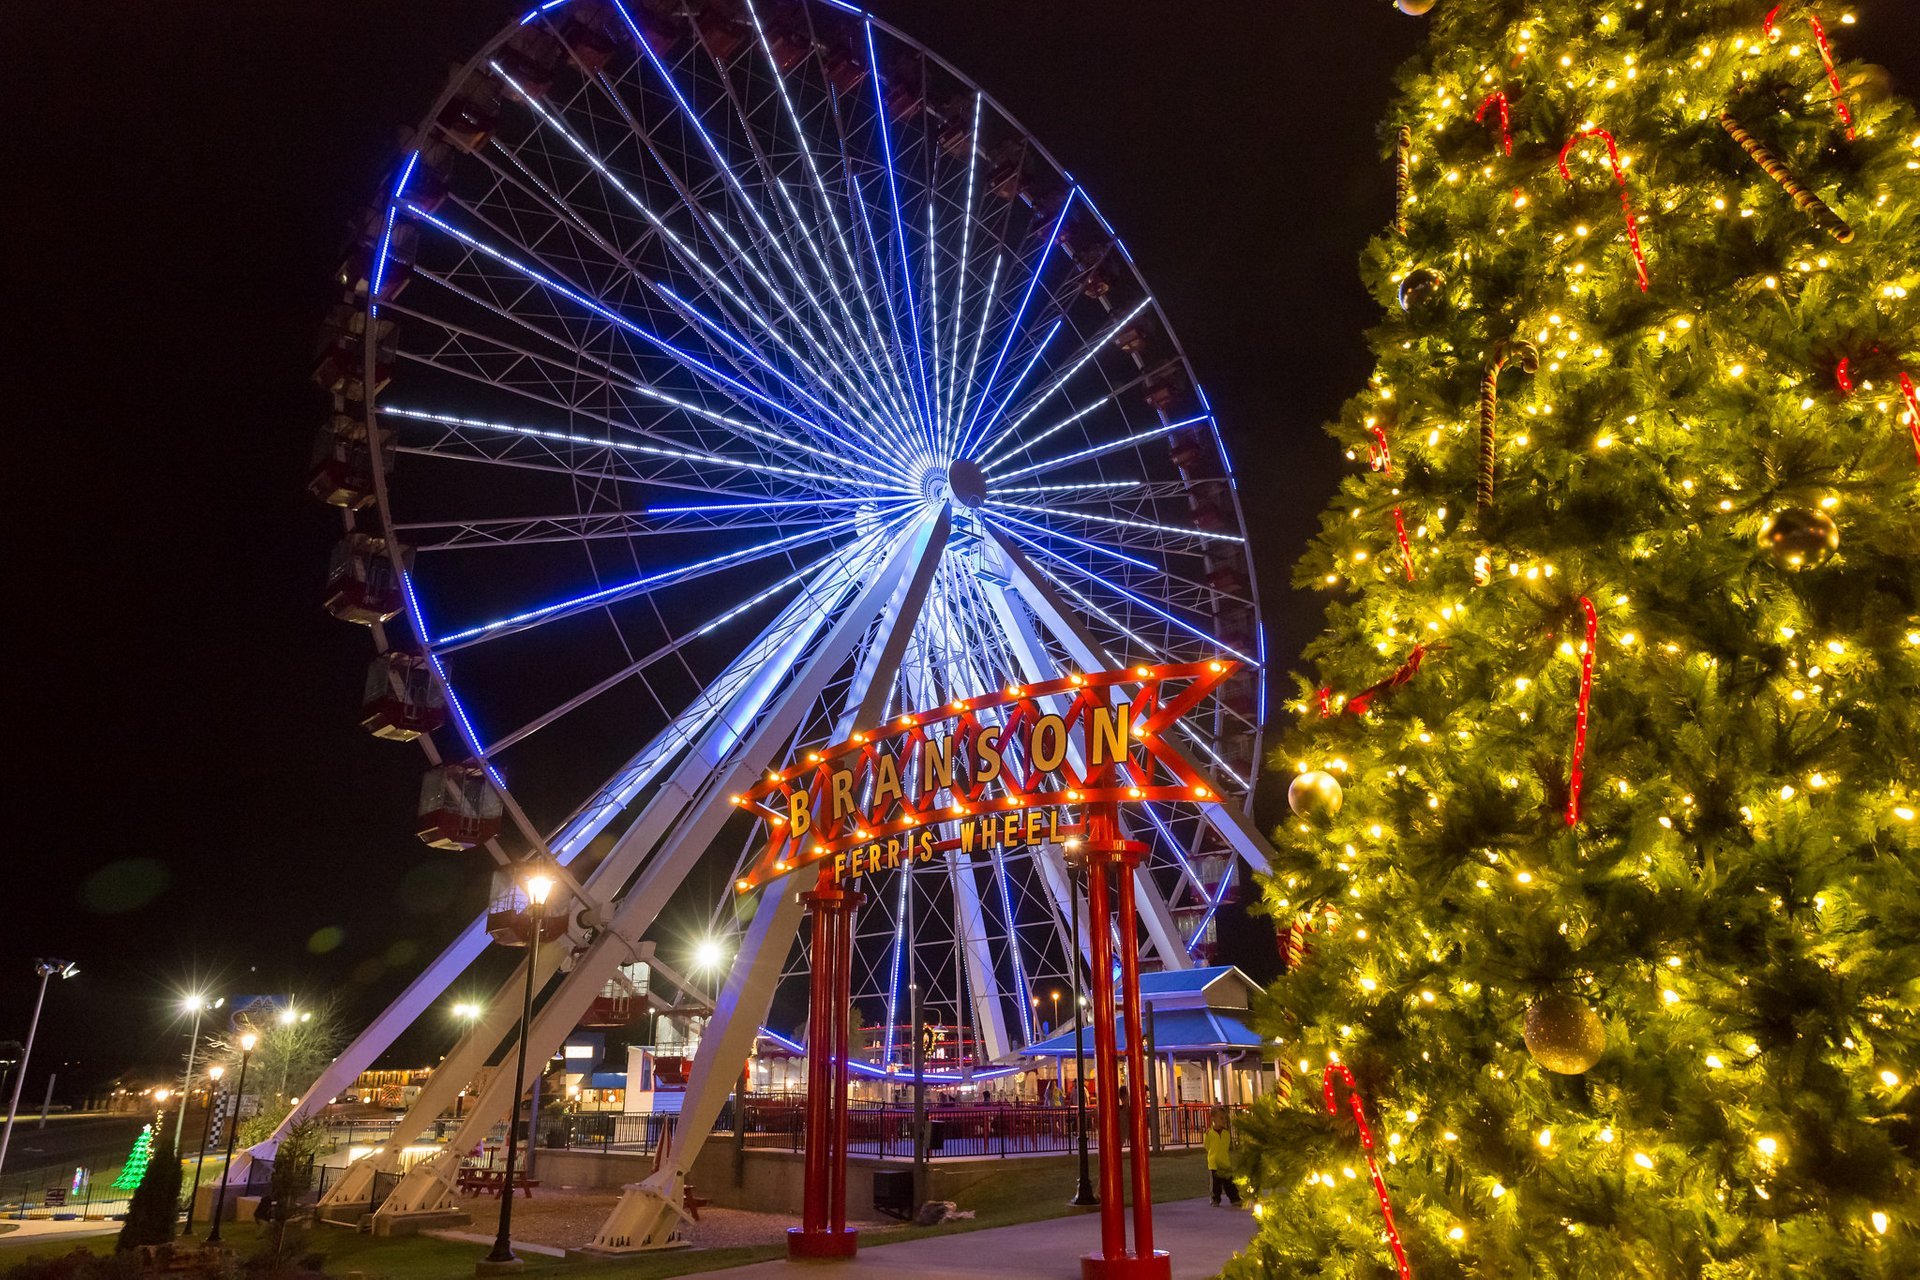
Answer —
1200 1238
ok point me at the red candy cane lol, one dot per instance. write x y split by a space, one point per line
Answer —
1913 410
1580 720
1826 55
1626 199
1506 119
1366 1145
1379 457
1406 548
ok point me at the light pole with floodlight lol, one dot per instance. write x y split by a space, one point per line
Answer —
199 1005
502 1258
247 1042
46 969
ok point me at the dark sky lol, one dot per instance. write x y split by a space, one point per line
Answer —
192 796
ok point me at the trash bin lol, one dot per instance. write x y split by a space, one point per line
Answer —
893 1193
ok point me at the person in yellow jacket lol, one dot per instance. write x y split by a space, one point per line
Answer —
1219 1144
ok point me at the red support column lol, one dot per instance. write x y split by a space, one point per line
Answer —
1136 1062
1109 853
822 1231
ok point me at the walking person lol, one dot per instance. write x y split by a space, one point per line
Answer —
1219 1145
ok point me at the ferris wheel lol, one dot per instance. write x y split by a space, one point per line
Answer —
712 378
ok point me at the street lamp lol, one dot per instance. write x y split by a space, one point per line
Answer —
709 955
467 1012
46 969
538 886
247 1042
214 1073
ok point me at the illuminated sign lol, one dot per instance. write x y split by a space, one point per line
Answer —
965 776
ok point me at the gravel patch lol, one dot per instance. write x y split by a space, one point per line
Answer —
567 1219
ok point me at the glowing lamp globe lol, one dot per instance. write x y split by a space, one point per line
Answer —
1800 538
1415 8
1564 1035
1316 796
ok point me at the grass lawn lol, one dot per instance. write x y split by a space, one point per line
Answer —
1000 1195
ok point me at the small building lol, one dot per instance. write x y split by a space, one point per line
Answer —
1204 1052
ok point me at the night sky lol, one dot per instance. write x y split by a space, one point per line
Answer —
192 797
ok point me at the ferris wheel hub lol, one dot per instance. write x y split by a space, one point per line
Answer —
961 480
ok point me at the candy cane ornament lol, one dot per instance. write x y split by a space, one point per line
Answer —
1840 106
1577 769
1528 357
1499 99
1339 1070
1818 211
1912 398
1402 176
1626 195
1406 547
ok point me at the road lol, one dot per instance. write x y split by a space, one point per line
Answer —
91 1139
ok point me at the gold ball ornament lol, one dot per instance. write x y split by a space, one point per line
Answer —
1564 1035
1800 538
1419 287
1415 8
1316 796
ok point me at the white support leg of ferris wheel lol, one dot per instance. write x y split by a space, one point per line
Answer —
1233 823
1162 932
428 1187
989 1012
648 1213
970 925
750 680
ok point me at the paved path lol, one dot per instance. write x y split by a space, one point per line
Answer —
1200 1238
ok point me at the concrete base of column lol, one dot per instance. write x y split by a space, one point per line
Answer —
803 1245
1097 1266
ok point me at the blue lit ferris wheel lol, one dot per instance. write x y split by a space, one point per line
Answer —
711 377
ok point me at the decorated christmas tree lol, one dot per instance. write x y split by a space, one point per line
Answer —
136 1166
1601 892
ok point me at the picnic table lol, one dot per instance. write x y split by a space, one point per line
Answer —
475 1181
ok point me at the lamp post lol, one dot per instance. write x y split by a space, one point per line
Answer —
467 1012
214 1073
1083 1193
46 969
247 1042
538 886
198 1005
1058 1072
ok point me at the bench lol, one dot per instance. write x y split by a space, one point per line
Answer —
491 1182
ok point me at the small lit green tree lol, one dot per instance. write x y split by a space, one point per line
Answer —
1605 828
154 1210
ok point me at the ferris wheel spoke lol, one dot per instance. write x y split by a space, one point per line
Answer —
844 562
738 259
847 391
994 461
543 614
611 378
1013 330
967 384
1026 370
522 531
1099 450
807 229
950 419
1078 362
1176 531
1182 587
724 168
690 456
900 231
735 387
